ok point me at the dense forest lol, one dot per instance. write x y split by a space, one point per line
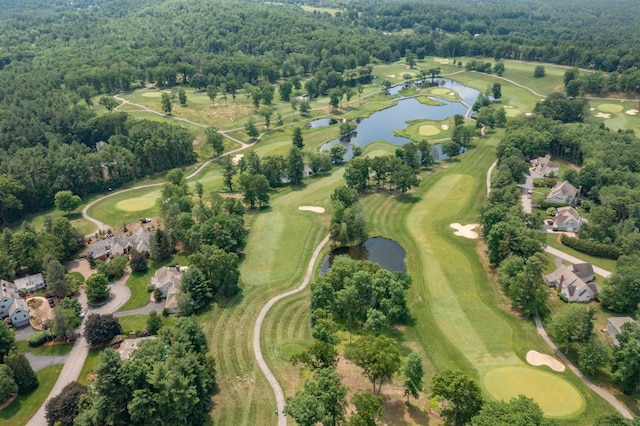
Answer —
56 56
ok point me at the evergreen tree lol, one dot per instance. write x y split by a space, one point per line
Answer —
23 374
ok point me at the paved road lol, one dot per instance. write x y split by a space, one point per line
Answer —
493 166
277 389
76 358
39 362
597 389
150 306
572 259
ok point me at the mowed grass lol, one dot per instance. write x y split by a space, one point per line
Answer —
108 211
138 322
619 119
90 364
52 350
25 406
606 264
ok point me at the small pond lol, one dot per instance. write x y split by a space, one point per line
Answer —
382 124
321 122
389 254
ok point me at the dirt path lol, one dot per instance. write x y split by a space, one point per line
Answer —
277 389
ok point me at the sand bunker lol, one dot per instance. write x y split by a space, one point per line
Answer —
465 230
452 93
391 75
603 115
441 60
592 109
537 359
445 127
631 111
528 114
236 158
508 106
311 209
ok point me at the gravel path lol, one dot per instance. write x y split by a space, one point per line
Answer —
277 389
597 389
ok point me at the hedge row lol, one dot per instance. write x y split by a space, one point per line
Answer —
39 337
592 248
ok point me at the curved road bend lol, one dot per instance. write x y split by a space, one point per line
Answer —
542 332
282 420
597 389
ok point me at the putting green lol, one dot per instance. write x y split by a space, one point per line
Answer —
613 108
152 94
136 204
429 130
441 91
556 397
512 112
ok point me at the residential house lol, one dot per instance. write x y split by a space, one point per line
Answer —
127 346
576 284
121 245
545 167
19 313
30 283
614 326
567 219
8 293
167 281
563 193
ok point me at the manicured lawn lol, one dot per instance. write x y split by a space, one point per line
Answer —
53 350
606 264
90 364
618 117
139 322
138 282
25 406
109 212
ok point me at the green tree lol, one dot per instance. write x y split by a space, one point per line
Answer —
99 329
64 407
434 72
165 103
404 178
500 117
97 289
378 357
593 355
138 262
626 358
66 201
197 290
318 355
228 171
23 374
413 373
368 409
108 103
55 275
182 96
573 324
219 268
329 400
297 139
498 68
10 192
212 92
251 129
520 411
154 322
7 384
305 108
356 174
215 140
295 166
7 339
267 113
462 396
539 71
337 153
496 90
160 245
285 89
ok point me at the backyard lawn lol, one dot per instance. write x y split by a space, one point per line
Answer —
25 406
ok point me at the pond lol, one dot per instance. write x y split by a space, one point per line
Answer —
321 122
389 254
382 124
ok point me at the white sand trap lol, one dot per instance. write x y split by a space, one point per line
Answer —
465 230
391 75
311 209
452 93
508 106
528 114
537 359
445 127
603 115
236 158
631 112
592 109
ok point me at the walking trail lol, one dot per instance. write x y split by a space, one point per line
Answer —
277 389
543 333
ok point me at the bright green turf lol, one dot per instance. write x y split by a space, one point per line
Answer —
611 108
556 397
90 364
606 264
107 210
136 204
25 406
53 350
138 322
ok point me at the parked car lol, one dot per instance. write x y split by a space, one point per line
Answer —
51 301
145 220
528 195
529 191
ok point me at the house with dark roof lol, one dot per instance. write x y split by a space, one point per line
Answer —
545 167
567 219
563 193
19 313
30 283
121 245
614 326
576 285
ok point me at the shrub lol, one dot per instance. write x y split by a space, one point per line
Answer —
38 338
63 407
592 248
100 329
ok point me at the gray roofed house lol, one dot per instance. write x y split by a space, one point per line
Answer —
563 193
584 271
567 219
19 313
8 293
121 245
167 280
30 283
574 288
614 326
129 345
545 167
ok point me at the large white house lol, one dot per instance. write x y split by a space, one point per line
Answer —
563 193
567 219
575 282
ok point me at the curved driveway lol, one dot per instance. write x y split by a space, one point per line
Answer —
277 389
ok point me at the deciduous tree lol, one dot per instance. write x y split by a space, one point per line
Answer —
462 396
99 329
520 411
413 373
97 289
67 201
165 103
378 357
63 407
